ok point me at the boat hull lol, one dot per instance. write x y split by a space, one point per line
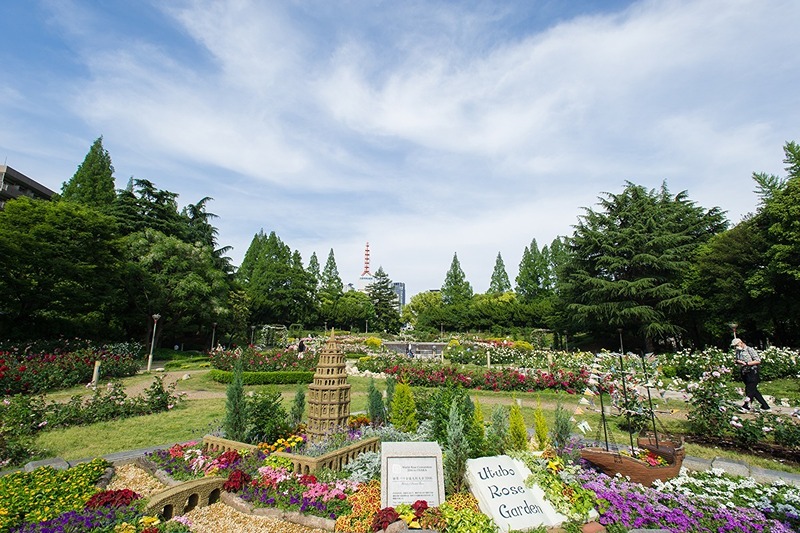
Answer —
613 463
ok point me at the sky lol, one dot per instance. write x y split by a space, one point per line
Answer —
425 128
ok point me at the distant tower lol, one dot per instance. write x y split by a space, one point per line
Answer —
329 394
366 277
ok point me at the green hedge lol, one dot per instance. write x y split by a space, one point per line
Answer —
263 378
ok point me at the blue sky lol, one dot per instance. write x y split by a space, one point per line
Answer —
426 128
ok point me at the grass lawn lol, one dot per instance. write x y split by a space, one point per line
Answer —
205 411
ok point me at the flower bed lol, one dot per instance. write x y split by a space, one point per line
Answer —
500 379
26 371
254 360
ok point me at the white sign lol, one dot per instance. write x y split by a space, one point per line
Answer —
411 471
498 483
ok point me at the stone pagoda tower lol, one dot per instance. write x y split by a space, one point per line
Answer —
329 395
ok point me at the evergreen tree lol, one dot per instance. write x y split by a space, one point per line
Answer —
330 293
472 430
497 432
517 432
274 279
298 406
375 408
499 283
629 264
404 409
456 451
562 427
235 424
331 285
456 290
384 302
314 271
478 442
456 297
93 182
533 271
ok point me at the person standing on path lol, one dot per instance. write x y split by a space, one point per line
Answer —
749 362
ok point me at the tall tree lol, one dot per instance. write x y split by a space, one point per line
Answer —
499 282
330 290
425 311
331 284
274 279
176 280
533 271
93 182
456 290
314 271
629 261
456 297
62 273
385 302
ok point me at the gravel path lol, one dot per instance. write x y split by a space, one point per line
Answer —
214 518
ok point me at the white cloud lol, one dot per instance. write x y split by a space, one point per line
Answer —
426 129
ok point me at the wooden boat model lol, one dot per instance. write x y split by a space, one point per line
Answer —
612 462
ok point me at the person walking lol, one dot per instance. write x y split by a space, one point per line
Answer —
749 362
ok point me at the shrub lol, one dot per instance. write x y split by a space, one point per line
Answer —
264 361
456 451
562 428
540 426
375 408
497 432
517 432
298 406
404 410
263 378
266 420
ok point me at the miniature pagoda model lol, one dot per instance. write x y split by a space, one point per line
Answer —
329 394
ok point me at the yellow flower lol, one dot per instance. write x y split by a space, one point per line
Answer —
148 521
125 528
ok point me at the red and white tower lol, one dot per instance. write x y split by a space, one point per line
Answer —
366 277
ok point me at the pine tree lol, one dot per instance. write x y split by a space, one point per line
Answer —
375 408
404 409
331 284
235 424
499 283
456 290
456 451
533 270
93 182
314 271
384 302
517 432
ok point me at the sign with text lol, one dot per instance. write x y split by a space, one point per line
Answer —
498 483
411 471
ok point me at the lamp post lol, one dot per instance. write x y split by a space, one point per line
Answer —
213 334
621 349
153 341
252 333
733 326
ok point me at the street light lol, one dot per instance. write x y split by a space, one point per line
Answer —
733 326
153 341
252 333
621 349
213 334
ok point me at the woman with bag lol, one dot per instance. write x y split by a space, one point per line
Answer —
749 362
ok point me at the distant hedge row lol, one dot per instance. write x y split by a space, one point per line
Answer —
263 378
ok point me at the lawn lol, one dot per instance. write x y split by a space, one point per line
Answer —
204 411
